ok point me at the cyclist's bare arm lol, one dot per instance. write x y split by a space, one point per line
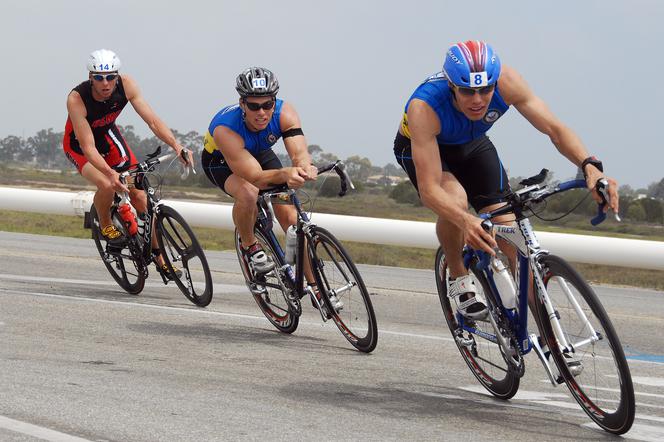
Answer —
83 132
244 165
156 124
424 125
296 146
515 91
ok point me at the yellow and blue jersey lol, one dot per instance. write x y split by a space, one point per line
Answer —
254 142
455 127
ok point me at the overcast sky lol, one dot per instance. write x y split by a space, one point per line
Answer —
348 67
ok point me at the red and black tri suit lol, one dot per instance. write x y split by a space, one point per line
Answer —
101 116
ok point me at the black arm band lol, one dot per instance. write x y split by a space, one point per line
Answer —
594 161
292 132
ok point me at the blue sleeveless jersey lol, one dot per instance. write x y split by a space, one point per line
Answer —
455 127
254 142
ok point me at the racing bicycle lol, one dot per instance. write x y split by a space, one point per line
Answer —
576 343
128 264
278 293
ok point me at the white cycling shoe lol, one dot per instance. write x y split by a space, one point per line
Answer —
464 293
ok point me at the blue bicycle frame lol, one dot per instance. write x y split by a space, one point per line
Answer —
523 238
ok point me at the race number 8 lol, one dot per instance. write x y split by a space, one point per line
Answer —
480 79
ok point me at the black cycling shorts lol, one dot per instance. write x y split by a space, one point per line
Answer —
218 171
475 165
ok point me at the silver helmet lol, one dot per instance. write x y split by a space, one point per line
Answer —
256 82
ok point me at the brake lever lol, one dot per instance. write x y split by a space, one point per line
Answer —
188 166
602 188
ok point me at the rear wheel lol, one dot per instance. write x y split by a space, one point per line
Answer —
336 274
267 289
592 364
484 358
180 249
124 264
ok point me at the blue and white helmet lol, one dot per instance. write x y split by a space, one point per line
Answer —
103 60
472 64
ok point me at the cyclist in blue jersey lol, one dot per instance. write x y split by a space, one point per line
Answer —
443 146
238 155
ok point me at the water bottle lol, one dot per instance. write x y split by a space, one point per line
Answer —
504 281
291 244
128 217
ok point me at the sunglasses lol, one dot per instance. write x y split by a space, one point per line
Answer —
470 91
107 77
267 105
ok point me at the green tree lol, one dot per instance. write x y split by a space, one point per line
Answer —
46 147
626 191
393 170
315 151
326 158
405 193
656 190
358 168
330 187
10 147
653 209
636 212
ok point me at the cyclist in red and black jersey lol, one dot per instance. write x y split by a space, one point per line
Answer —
93 142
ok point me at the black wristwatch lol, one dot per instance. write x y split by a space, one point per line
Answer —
594 161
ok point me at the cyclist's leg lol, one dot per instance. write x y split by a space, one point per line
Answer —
462 287
103 198
245 195
450 236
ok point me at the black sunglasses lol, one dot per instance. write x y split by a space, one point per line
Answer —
108 77
266 105
470 91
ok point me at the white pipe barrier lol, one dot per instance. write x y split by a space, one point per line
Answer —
577 248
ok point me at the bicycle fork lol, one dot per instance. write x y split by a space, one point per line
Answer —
553 317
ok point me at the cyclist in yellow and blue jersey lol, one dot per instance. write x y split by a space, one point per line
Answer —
238 155
443 146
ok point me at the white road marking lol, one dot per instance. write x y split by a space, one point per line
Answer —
218 287
37 431
650 381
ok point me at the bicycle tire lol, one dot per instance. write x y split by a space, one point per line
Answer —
131 279
272 300
333 269
607 399
484 358
180 247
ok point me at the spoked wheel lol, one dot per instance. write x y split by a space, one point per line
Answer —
336 274
267 289
592 364
484 358
123 265
181 251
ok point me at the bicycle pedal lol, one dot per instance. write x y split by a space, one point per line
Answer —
256 289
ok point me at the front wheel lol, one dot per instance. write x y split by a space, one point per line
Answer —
180 248
268 289
484 358
588 353
336 274
124 264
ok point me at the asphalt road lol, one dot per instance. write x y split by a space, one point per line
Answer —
82 360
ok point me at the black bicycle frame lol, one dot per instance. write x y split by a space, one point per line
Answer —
264 223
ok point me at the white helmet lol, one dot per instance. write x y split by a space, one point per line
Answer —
103 60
